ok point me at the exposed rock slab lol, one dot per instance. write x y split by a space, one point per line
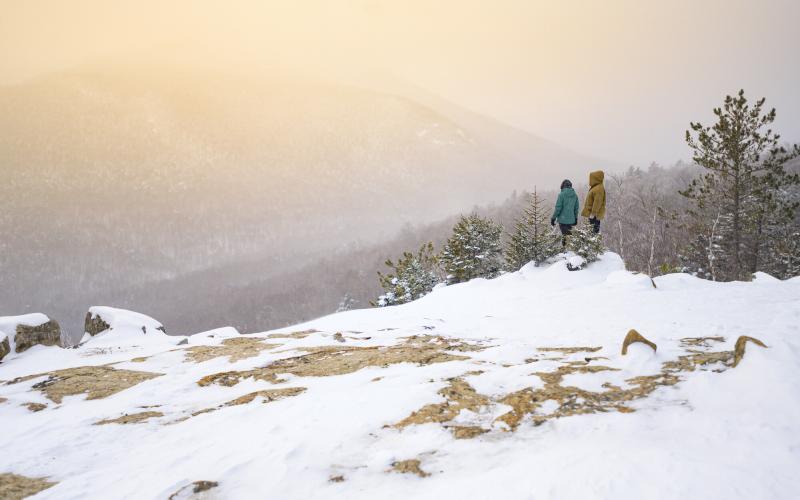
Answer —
96 382
412 466
460 396
268 396
132 418
327 361
292 335
16 487
35 407
569 350
236 348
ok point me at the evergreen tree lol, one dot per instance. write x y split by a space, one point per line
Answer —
532 239
473 250
781 241
784 259
739 210
708 225
412 277
585 242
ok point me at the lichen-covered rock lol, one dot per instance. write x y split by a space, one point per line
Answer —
94 324
20 333
326 361
13 486
27 336
96 382
5 347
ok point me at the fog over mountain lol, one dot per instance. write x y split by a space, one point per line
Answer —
121 175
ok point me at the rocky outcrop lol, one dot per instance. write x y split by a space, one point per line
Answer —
738 352
633 337
48 333
94 324
20 333
100 319
5 347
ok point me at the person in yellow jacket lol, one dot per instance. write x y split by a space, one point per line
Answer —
595 206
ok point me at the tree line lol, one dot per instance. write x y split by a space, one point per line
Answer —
731 213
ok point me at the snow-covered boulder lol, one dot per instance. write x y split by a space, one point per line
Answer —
105 320
20 333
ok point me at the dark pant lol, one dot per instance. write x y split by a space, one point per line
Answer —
566 230
595 224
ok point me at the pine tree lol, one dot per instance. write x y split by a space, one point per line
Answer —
412 277
531 240
709 224
585 242
784 259
739 196
473 250
781 241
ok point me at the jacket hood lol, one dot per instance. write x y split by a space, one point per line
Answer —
596 178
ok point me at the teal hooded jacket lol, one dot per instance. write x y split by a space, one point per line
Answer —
566 211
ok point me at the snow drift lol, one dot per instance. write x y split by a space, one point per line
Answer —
509 388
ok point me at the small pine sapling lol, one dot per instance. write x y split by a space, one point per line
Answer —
473 250
585 243
412 277
531 240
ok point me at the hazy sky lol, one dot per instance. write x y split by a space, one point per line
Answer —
616 79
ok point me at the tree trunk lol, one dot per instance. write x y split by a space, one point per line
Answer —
757 245
737 263
652 244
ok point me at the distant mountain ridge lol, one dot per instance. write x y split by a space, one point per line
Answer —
126 174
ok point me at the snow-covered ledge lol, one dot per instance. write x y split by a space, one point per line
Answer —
104 320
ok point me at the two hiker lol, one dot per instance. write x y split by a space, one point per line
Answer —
566 211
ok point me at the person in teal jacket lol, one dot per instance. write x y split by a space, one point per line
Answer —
566 212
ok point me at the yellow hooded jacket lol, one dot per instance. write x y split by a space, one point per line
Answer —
595 205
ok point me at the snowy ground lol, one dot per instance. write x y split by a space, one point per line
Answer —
700 429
